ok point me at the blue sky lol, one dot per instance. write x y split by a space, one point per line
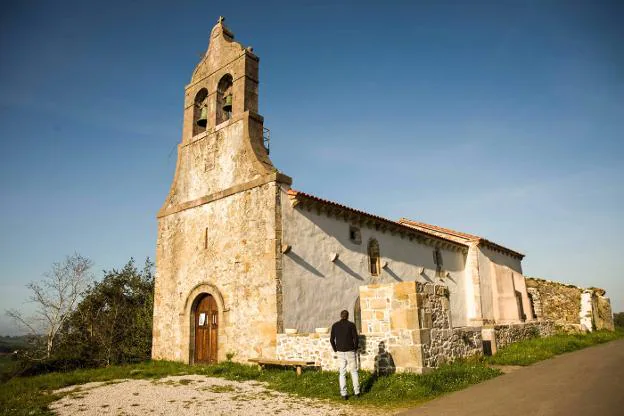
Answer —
502 118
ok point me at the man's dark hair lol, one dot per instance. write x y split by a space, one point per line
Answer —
344 314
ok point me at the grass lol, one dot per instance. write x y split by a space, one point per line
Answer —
32 395
538 349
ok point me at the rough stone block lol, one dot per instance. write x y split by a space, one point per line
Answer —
404 319
404 289
407 356
378 304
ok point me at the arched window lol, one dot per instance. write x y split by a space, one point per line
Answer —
200 111
224 99
373 256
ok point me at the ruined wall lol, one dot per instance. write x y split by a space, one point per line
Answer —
570 307
317 289
558 302
602 313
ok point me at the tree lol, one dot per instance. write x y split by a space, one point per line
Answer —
618 320
113 323
56 297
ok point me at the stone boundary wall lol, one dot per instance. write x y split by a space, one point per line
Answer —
447 345
507 334
571 308
316 347
557 302
603 315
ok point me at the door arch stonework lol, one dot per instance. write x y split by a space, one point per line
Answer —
188 315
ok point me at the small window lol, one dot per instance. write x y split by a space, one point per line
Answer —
355 236
437 260
373 256
357 315
521 314
437 257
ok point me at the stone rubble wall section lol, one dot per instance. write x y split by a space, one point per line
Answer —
447 345
507 334
573 309
536 300
316 347
603 315
558 302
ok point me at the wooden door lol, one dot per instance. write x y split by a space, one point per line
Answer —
206 325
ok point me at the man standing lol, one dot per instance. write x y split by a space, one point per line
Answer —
344 341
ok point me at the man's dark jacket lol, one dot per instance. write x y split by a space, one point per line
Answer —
344 336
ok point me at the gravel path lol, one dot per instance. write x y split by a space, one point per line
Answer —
191 395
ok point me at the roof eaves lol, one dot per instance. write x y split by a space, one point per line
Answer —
294 194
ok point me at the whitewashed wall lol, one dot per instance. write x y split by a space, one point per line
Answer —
315 289
500 276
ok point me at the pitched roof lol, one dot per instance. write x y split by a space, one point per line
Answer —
459 236
404 224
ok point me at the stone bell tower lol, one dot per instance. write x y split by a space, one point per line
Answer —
218 277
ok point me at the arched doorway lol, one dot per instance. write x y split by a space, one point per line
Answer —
206 317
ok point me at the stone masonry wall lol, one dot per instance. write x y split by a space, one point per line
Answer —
447 345
571 308
559 303
316 347
507 334
603 315
405 327
200 252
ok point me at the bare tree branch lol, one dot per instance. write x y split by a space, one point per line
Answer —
56 296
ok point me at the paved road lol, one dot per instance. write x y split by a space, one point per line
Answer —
586 382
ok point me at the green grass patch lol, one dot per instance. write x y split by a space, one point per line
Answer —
537 349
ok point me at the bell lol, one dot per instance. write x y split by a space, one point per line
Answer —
203 117
227 107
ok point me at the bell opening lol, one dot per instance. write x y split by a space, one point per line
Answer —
227 107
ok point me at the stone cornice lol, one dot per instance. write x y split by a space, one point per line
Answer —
272 177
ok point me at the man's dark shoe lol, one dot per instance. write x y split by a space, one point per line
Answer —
345 397
357 396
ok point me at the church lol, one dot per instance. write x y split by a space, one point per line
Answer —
249 267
